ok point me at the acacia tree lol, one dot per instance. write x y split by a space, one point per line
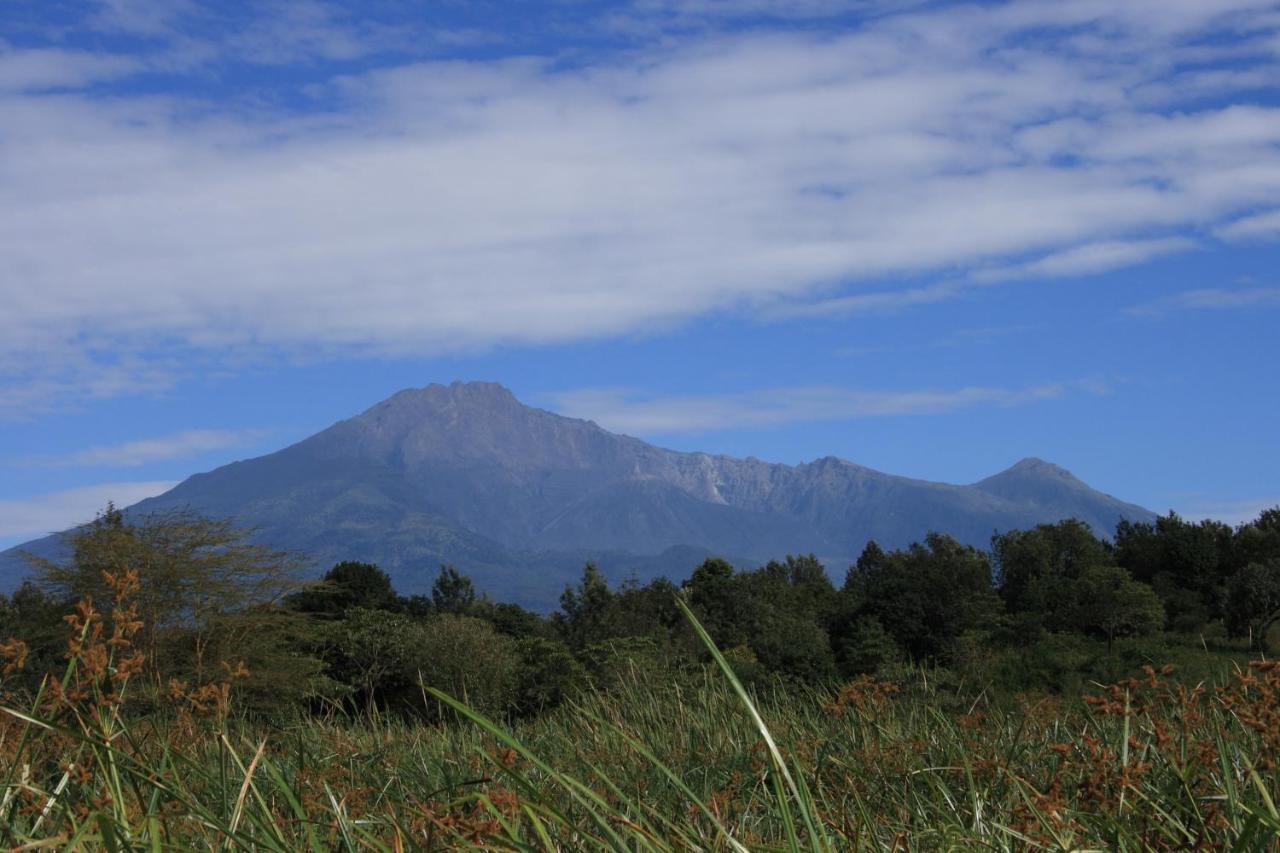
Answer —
201 581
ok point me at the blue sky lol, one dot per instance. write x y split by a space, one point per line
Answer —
932 238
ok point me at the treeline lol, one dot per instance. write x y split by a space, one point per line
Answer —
1044 609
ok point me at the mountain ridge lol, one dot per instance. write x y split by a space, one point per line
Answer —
519 497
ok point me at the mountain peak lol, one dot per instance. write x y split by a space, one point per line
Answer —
1035 467
434 398
476 392
465 473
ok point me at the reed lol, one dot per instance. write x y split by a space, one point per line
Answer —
1147 763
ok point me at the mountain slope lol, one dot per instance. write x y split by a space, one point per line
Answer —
520 497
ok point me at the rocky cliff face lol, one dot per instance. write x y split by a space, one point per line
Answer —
520 497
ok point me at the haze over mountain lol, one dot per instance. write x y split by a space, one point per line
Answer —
519 498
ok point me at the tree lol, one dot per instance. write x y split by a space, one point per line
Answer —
865 649
1187 564
1107 601
926 596
714 599
466 658
549 674
1253 602
33 616
870 561
1036 568
452 592
194 572
375 654
787 642
588 614
348 584
1259 540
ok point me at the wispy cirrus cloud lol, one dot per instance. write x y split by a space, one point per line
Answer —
1260 226
1089 258
1233 512
1210 299
179 445
433 206
39 515
40 69
633 411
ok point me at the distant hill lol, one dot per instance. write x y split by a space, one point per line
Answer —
519 498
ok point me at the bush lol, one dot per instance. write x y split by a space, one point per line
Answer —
466 658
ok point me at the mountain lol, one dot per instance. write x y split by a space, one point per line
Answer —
519 498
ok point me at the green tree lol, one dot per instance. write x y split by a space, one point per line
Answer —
1259 540
348 584
376 655
195 573
587 614
34 616
866 649
1253 602
1035 569
787 642
452 592
1107 601
549 674
466 658
928 595
1187 563
715 600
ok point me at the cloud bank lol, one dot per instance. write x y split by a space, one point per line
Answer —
437 206
179 445
631 411
40 515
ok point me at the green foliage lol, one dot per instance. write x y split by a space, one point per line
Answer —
207 595
34 617
588 614
1187 563
927 595
712 595
1106 601
1253 602
452 592
465 657
787 642
1037 568
866 649
549 675
348 584
920 763
375 655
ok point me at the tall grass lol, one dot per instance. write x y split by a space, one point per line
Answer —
1146 763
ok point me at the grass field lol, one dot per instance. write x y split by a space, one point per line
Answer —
1146 763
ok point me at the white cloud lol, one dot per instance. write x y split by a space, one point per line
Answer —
1089 258
40 515
632 411
179 445
1261 226
51 68
1230 511
1210 298
449 205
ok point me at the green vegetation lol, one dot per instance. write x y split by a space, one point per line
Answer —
172 686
